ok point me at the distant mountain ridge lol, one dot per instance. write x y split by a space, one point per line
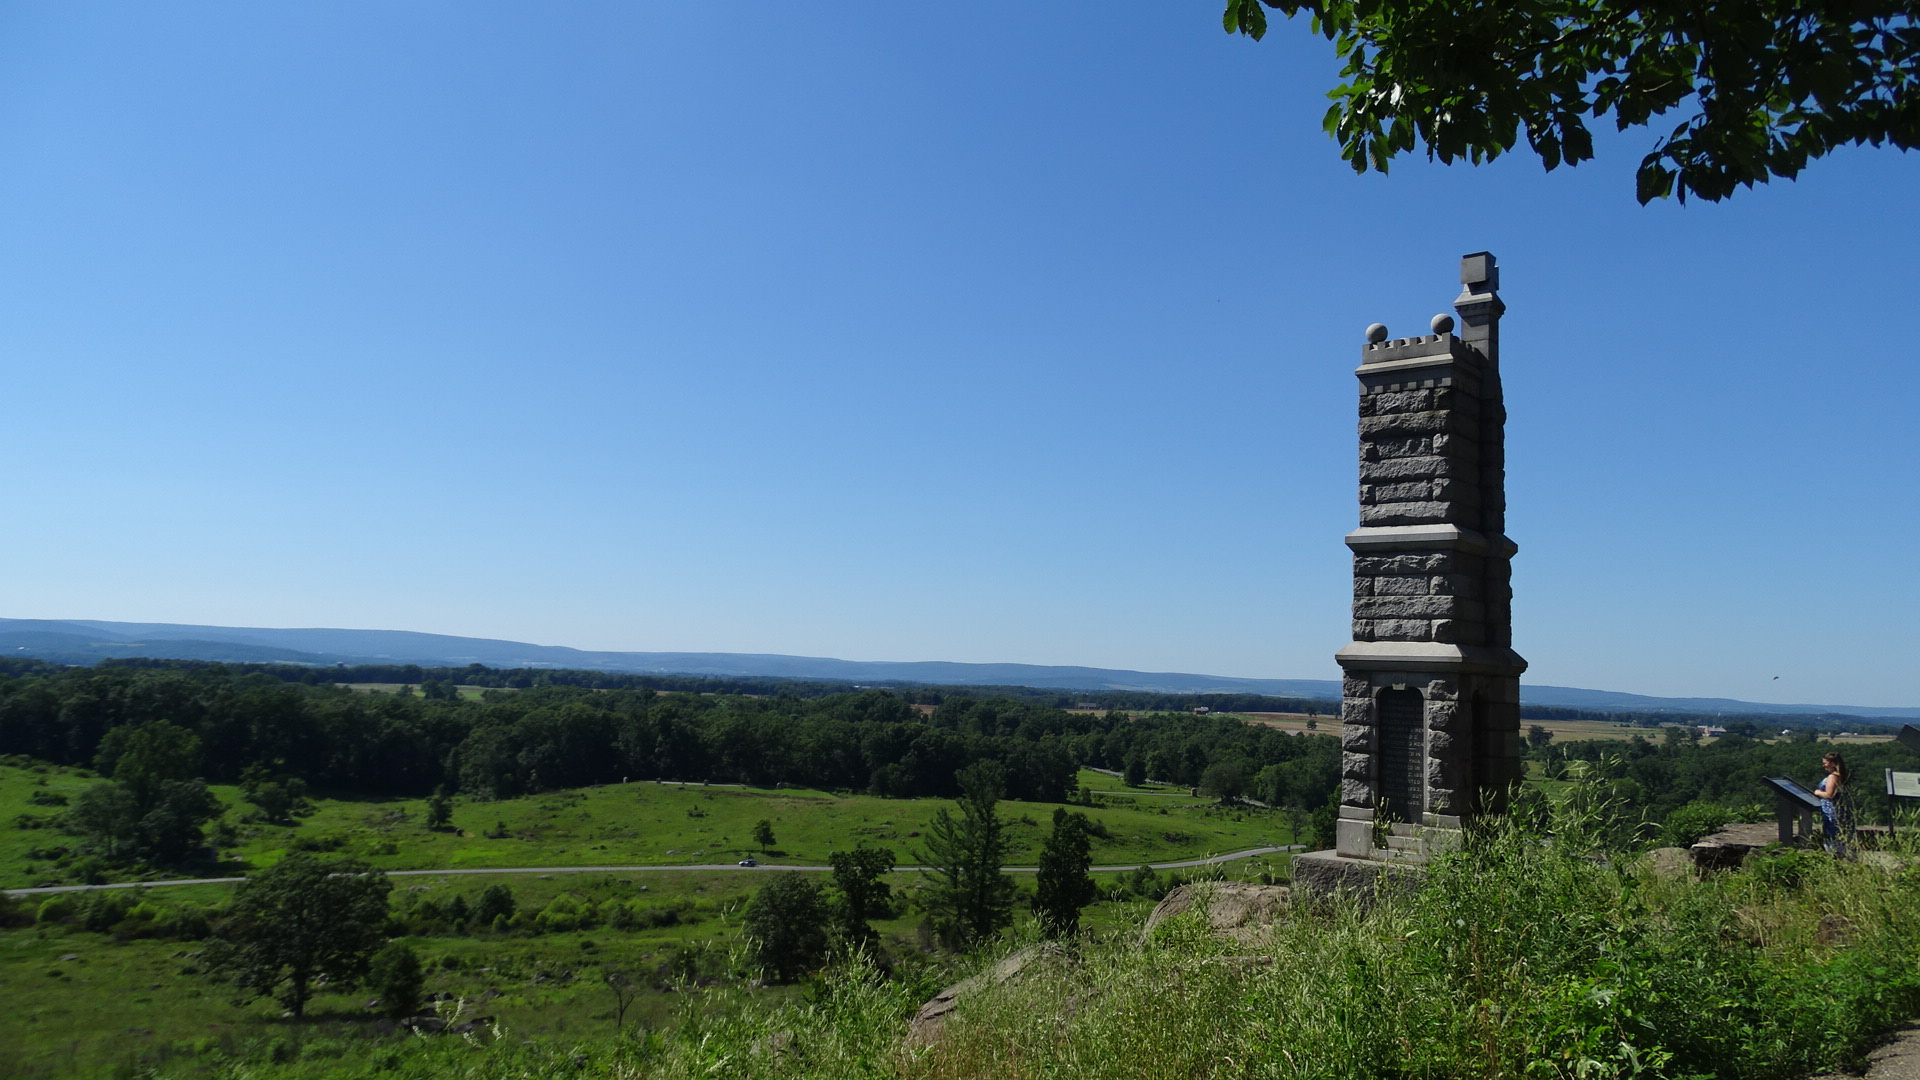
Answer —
84 641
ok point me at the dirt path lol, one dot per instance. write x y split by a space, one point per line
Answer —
1896 1059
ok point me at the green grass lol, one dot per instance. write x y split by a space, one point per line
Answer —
1102 784
1522 958
118 1001
19 784
648 824
637 824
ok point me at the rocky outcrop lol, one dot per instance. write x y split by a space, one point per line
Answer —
926 1025
1730 846
1238 910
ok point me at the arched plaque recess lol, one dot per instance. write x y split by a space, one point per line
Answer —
1403 754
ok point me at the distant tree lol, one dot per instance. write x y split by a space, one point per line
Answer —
970 900
155 805
763 833
278 798
396 977
786 927
1063 885
439 808
1136 772
297 922
496 902
143 758
863 895
1538 737
1223 780
1322 820
625 990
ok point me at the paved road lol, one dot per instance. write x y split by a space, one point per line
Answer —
1179 865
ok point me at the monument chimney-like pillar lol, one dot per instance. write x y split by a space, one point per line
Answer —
1431 688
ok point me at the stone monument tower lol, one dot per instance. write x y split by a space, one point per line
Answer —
1431 710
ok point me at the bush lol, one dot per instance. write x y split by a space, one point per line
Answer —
104 908
1687 825
58 908
496 902
563 914
397 977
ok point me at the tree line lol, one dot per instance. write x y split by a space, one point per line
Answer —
1681 776
188 723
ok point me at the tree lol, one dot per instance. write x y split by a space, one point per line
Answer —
144 758
1224 780
439 808
1063 884
763 833
155 805
970 900
300 921
786 927
857 874
625 990
1538 737
278 799
396 976
1136 772
1760 87
496 902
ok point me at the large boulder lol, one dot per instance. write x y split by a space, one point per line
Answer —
1239 910
1730 846
926 1025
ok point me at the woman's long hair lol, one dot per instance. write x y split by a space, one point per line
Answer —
1839 765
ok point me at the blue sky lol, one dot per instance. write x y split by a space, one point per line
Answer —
1005 332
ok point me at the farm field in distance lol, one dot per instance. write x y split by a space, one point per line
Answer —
1563 730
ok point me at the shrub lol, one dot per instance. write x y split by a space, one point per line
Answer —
1685 826
103 908
58 908
397 977
563 914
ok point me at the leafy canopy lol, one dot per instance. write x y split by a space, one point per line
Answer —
786 927
299 922
1758 87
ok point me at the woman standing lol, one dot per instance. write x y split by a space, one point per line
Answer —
1836 803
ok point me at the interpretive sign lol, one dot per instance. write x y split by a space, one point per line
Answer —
1903 785
1796 806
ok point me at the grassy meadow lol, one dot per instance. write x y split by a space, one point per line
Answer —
1525 957
92 1002
649 824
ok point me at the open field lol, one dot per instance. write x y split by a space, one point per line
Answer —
646 823
85 1004
471 693
1563 730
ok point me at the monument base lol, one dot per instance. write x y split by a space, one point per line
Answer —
1328 877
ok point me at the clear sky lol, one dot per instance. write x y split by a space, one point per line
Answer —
985 332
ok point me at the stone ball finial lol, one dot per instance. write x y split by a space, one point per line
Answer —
1442 324
1377 333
